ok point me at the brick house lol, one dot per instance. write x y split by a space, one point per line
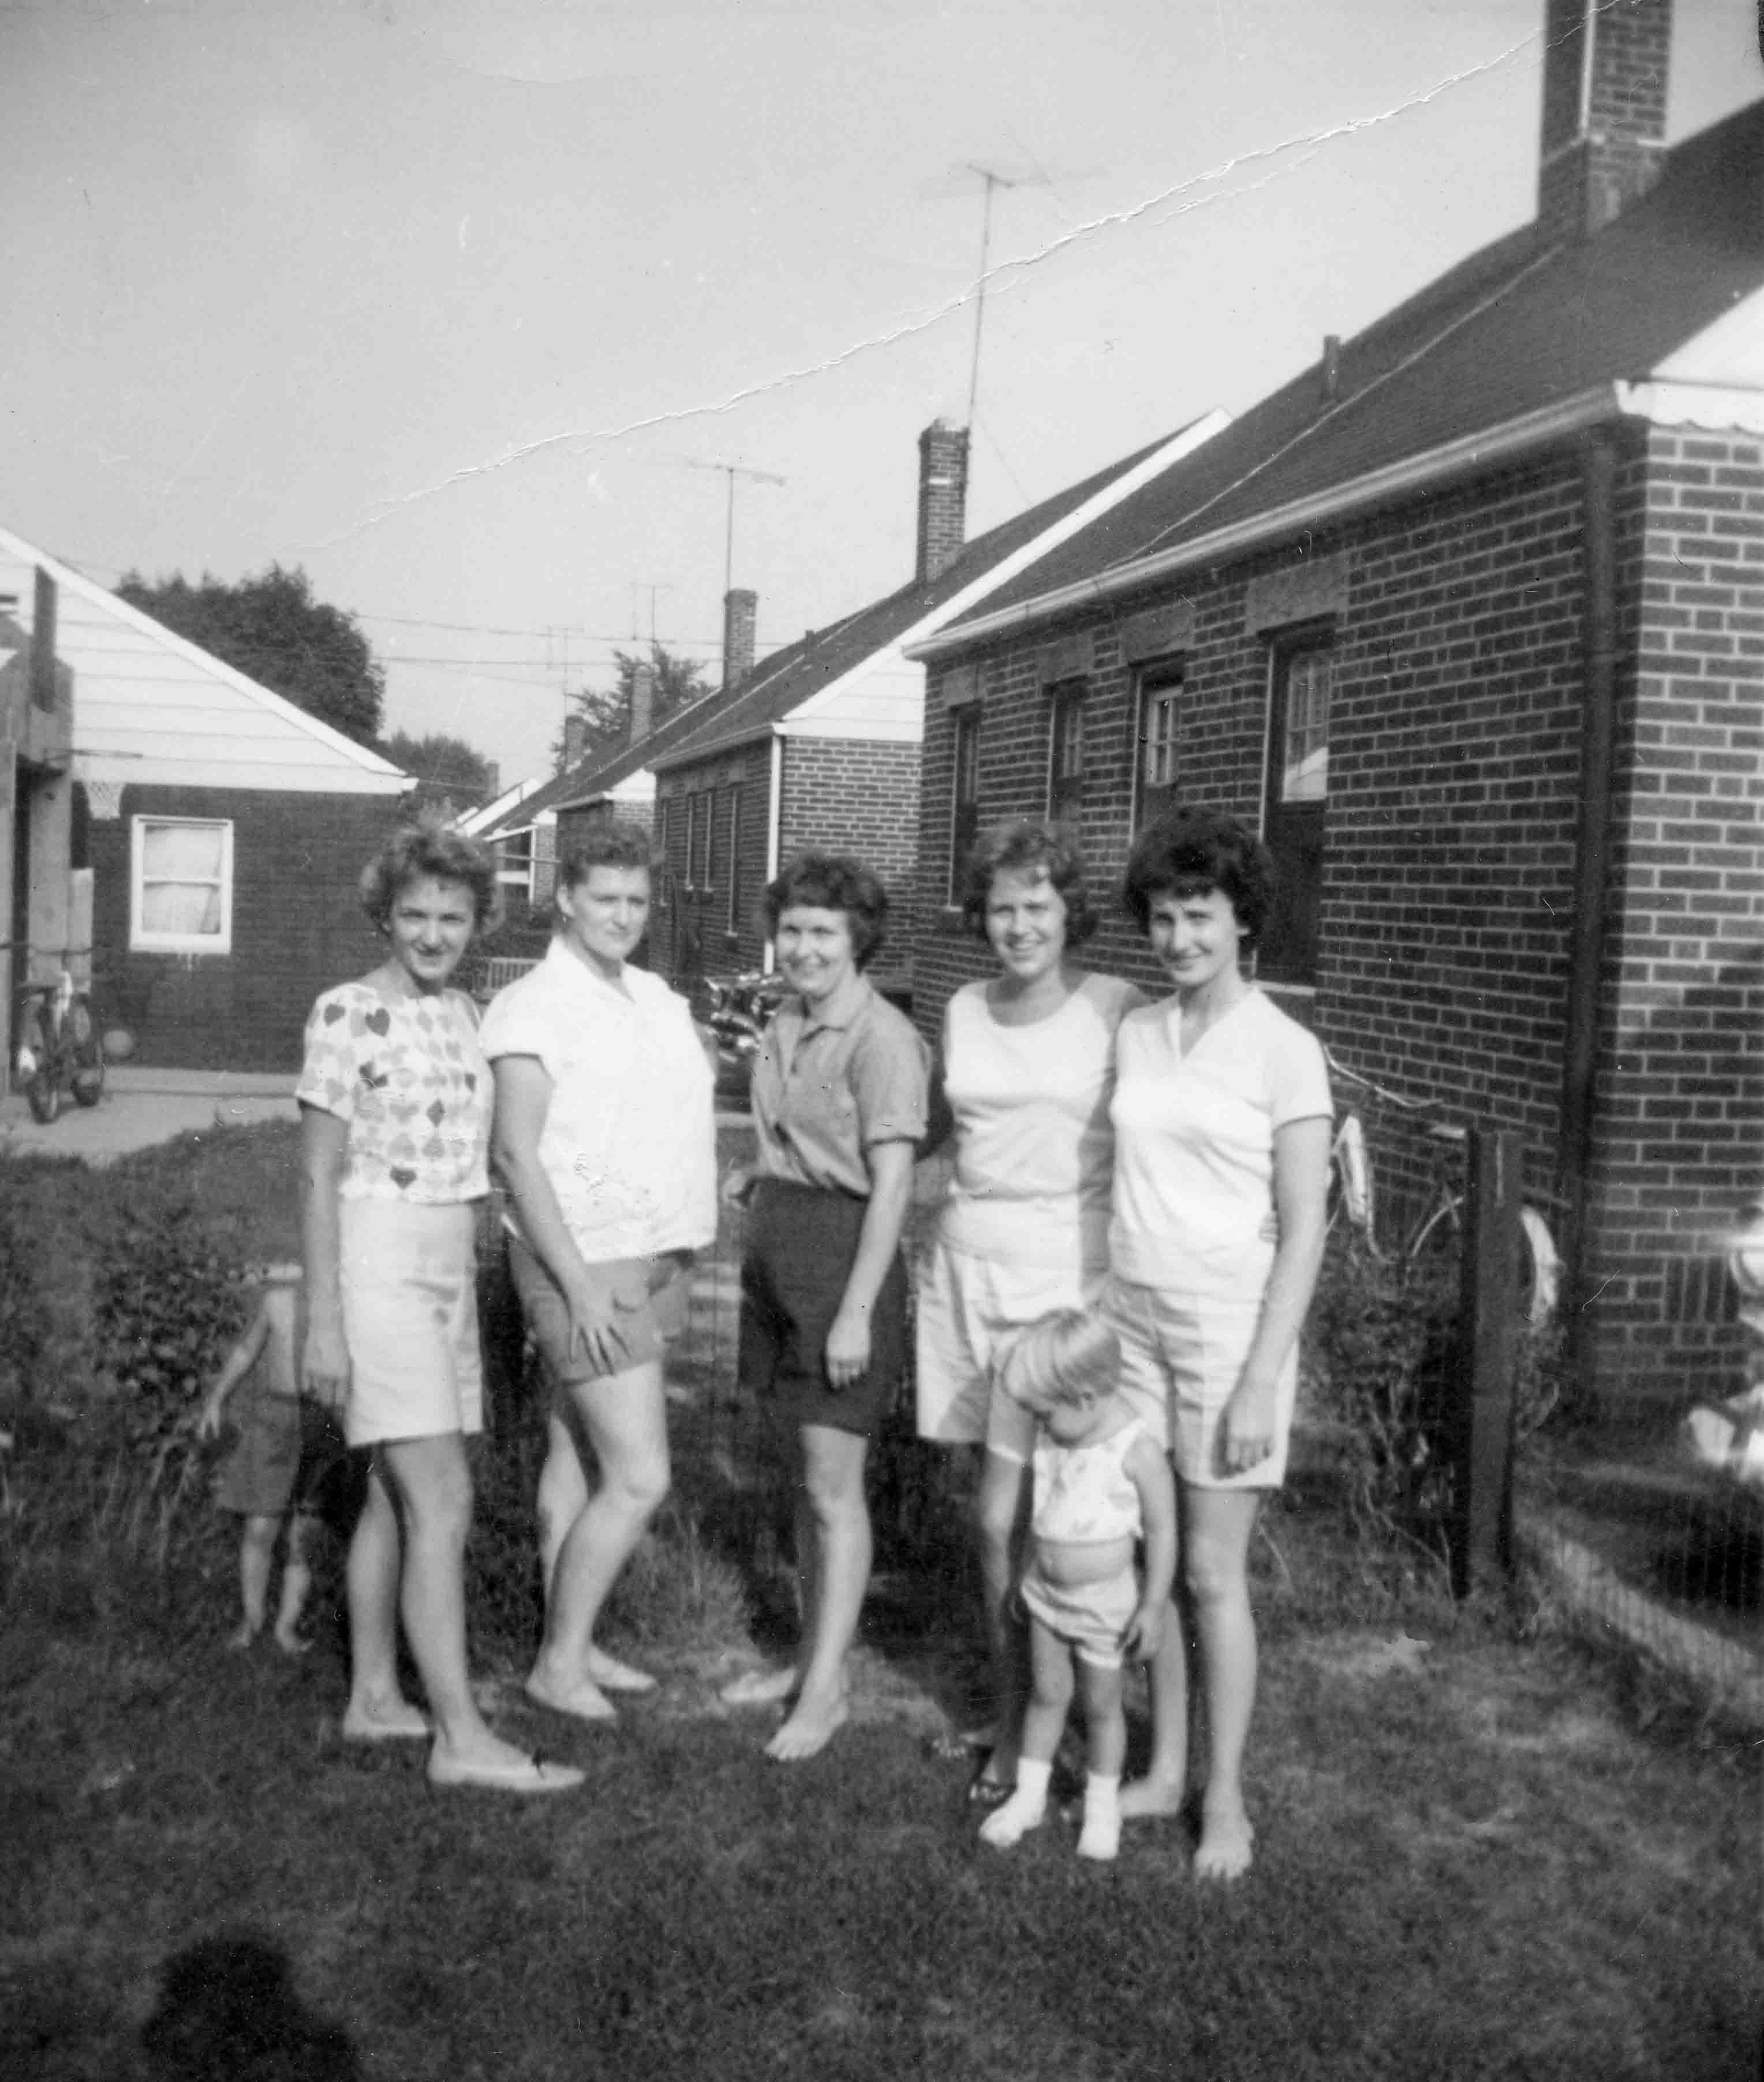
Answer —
225 829
818 746
45 892
1468 618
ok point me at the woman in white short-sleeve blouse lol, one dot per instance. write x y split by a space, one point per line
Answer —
1222 1122
395 1102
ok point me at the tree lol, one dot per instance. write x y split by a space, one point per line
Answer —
272 630
445 769
607 713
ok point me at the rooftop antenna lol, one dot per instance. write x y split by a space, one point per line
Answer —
643 585
731 471
993 180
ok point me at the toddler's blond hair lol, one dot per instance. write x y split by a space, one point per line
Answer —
1057 1358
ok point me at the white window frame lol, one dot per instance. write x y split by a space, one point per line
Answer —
1160 694
141 940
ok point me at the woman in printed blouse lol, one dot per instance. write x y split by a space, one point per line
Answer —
838 1100
395 1105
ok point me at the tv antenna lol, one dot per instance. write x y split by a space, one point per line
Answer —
731 471
993 179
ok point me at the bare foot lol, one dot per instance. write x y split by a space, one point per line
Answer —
1150 1799
1226 1846
808 1731
384 1721
612 1676
242 1636
292 1643
761 1688
582 1700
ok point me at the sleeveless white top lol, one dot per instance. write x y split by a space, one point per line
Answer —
1035 1148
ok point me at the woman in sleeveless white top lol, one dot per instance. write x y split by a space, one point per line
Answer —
1027 1068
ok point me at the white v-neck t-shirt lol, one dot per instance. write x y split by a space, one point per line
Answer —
1033 1142
1194 1142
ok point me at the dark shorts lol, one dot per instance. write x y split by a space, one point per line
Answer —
801 1244
640 1334
291 1457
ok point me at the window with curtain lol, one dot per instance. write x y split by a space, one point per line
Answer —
734 919
1154 772
181 886
1066 753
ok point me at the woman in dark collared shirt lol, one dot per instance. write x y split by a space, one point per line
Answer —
838 1099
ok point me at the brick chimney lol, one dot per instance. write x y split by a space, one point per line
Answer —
643 702
740 614
43 643
1604 132
574 737
942 496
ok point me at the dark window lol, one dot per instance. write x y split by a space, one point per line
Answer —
965 821
692 838
1065 753
1154 743
665 890
708 841
1297 796
735 860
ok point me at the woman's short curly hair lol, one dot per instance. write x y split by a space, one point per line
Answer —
832 882
433 851
1193 852
1031 848
607 842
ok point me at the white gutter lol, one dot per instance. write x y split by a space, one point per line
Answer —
1378 487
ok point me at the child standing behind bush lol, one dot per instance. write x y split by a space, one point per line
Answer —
1100 1481
287 1465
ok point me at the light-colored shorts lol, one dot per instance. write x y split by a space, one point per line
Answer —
410 1317
638 1334
1091 1617
1185 1352
971 1310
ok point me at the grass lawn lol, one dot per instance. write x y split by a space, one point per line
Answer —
1483 1850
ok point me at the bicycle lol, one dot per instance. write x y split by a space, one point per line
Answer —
1439 1227
58 1048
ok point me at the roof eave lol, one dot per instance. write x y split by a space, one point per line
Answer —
1378 487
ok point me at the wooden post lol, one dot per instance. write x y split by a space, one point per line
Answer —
1482 1419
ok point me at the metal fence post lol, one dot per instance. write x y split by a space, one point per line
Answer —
1482 1416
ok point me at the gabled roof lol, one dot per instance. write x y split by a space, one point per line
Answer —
152 709
784 684
588 782
1520 339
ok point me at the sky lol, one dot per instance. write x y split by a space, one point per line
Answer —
458 304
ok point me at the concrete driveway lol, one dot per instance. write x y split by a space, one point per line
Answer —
141 1107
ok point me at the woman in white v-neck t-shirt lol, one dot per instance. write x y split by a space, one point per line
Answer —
1222 1119
1028 1069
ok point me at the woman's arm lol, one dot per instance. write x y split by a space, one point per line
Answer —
885 1216
324 1148
1150 1472
524 1089
1301 1194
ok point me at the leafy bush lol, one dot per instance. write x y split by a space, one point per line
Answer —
170 1295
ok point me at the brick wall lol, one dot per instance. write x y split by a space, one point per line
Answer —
297 926
1448 876
860 796
708 927
1680 1138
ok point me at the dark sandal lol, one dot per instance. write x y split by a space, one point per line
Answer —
988 1792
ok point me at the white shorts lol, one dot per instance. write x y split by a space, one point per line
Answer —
1090 1618
970 1311
1184 1352
408 1276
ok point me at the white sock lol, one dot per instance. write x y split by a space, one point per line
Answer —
1026 1808
1100 1836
